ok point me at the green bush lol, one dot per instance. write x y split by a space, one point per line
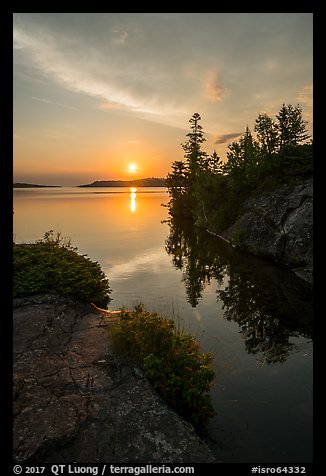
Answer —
171 360
52 265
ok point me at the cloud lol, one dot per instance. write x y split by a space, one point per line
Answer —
213 91
49 101
81 72
305 95
224 138
153 66
120 37
305 100
108 105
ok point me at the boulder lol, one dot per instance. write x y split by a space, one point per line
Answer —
76 401
279 226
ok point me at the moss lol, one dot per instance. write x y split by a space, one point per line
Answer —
52 265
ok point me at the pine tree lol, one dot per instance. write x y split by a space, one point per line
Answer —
214 164
291 127
177 179
195 157
267 135
242 156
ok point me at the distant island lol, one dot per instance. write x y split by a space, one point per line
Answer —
32 185
146 182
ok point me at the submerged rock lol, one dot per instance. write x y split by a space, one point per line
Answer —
75 401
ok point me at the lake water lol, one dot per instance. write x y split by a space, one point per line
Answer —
255 318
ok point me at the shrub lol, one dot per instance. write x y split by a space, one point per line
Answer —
171 360
52 265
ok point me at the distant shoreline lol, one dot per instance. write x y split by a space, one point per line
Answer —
32 185
146 182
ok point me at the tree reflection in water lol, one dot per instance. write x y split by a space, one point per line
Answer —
269 303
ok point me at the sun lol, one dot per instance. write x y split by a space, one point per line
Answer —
132 168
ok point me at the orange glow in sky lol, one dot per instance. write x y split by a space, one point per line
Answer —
109 96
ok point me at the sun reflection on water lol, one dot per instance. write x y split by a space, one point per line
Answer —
133 196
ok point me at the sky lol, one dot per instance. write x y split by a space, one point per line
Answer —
108 96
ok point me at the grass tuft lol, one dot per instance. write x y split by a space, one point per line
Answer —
172 361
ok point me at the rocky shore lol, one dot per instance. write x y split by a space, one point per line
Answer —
76 401
278 226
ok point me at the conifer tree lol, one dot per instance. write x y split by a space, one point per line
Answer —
267 135
291 127
195 157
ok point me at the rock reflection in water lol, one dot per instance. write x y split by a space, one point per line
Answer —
269 303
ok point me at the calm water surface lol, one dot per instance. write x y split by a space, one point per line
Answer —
255 318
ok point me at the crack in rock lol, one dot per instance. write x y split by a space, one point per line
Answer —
74 400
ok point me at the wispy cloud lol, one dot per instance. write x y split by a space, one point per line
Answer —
305 95
81 74
120 37
305 99
153 66
213 91
108 105
49 101
224 138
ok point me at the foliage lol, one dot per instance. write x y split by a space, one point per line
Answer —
182 182
291 127
266 131
218 202
52 265
212 193
177 180
177 184
171 359
195 157
243 159
250 160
